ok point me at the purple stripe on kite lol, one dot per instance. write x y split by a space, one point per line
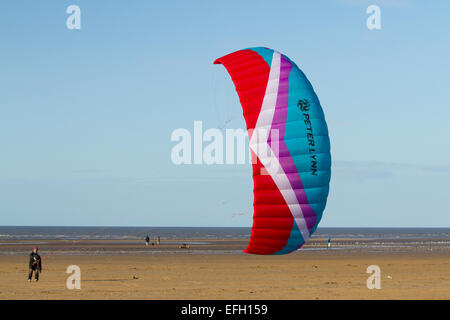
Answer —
280 114
284 157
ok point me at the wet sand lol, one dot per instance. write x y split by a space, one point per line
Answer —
216 269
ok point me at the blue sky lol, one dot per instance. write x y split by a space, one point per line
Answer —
86 115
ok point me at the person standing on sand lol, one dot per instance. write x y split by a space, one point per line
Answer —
147 240
35 265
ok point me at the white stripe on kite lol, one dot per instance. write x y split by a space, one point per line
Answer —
266 154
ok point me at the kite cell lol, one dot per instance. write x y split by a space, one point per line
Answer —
289 144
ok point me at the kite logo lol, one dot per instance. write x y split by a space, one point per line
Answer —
303 104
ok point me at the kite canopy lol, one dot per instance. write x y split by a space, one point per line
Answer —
289 140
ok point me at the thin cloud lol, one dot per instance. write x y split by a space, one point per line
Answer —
364 170
234 215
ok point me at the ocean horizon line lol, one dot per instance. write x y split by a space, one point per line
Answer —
241 227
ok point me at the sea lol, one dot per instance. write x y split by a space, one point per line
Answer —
175 233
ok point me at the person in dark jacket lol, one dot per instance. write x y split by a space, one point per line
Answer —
35 265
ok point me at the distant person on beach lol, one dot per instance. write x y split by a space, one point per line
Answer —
35 265
147 240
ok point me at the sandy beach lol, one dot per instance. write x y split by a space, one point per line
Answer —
217 269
